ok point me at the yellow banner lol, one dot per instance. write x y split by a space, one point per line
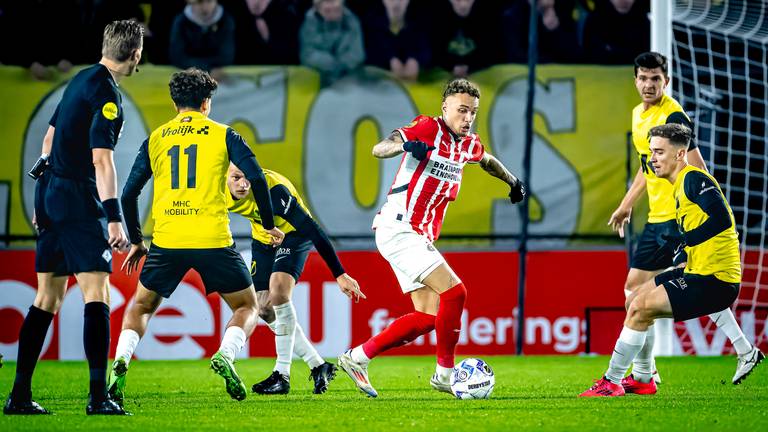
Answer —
321 139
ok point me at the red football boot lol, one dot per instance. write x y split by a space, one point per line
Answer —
603 387
631 385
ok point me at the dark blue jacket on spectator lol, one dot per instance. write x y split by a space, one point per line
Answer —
195 44
611 37
382 44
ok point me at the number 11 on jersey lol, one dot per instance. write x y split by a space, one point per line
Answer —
191 152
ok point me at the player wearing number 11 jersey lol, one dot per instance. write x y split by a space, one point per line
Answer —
189 158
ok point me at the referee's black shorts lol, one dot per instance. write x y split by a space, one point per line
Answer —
289 257
653 253
72 227
692 295
222 269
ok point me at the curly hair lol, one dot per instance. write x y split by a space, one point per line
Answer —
651 60
461 85
190 87
121 38
677 134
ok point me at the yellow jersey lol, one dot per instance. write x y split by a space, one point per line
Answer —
660 197
247 207
189 161
719 255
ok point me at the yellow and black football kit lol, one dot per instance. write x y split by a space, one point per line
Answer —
652 252
293 218
189 158
710 281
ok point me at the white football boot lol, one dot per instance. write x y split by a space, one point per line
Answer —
746 364
358 372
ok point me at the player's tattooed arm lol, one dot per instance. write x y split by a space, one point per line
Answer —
497 169
389 147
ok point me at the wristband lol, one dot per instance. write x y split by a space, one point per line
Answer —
112 209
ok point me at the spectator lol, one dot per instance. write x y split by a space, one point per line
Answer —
267 32
617 31
202 36
395 41
94 16
160 21
464 36
558 42
331 40
27 48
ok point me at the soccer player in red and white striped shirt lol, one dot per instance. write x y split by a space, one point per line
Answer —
435 152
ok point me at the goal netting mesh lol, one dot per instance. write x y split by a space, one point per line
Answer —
720 76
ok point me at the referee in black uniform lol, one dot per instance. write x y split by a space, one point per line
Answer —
78 216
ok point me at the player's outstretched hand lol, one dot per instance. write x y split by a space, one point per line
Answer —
277 236
350 287
117 238
619 218
418 149
131 263
516 192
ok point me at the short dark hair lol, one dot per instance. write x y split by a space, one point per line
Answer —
677 134
121 38
461 85
190 87
651 60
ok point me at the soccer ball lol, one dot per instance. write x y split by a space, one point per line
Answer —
472 379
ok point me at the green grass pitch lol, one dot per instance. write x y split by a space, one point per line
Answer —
531 393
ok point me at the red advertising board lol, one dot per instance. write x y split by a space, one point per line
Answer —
561 285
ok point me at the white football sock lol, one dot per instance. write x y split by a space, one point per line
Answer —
126 345
443 373
642 366
232 342
726 322
359 356
285 335
630 342
303 348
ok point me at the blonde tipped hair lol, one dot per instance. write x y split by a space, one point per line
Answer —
121 38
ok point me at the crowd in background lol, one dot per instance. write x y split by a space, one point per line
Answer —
335 37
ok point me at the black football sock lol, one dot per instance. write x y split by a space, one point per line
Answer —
96 343
31 339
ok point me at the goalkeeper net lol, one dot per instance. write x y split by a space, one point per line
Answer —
720 76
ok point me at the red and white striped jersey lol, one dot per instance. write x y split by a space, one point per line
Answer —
421 191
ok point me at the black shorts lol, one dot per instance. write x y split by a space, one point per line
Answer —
222 269
653 253
289 258
693 296
72 228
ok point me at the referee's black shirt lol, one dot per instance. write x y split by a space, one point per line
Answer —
89 116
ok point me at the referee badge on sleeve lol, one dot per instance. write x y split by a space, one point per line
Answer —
109 111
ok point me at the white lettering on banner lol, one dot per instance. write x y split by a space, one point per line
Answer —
555 183
18 296
567 332
71 321
132 135
716 347
329 149
479 331
337 318
196 319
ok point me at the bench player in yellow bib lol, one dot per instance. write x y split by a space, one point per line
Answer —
712 274
275 272
189 157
